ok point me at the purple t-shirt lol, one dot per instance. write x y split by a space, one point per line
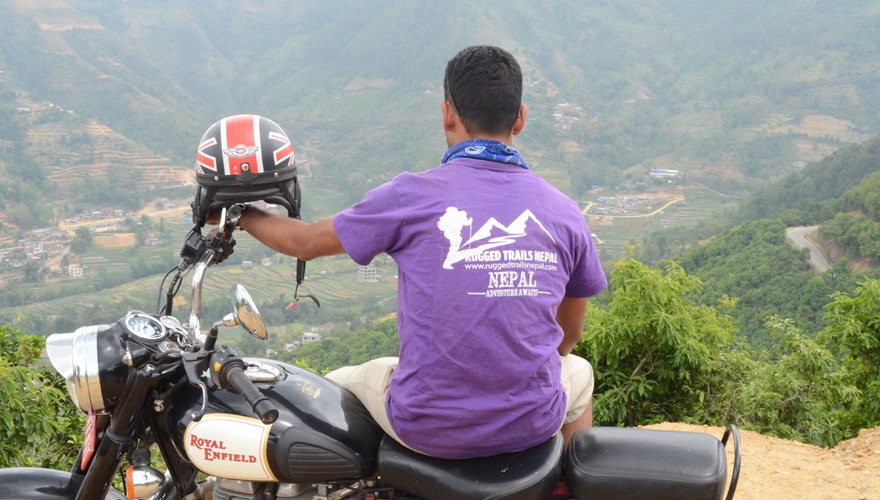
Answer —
486 251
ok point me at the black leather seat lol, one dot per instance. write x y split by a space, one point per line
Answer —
527 475
612 463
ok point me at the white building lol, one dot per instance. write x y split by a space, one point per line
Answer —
75 271
367 273
309 337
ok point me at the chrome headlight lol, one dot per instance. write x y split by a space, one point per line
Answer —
92 361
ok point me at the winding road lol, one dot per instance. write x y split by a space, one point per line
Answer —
798 237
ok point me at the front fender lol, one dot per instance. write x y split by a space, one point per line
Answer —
30 483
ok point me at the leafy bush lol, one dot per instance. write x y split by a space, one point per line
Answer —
657 354
39 426
854 331
660 355
799 392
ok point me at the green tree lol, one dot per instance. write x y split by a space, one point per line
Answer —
797 393
82 240
39 426
657 354
854 330
33 271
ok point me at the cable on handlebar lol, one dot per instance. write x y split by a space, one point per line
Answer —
173 288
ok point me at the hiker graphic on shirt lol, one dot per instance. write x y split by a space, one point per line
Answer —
451 223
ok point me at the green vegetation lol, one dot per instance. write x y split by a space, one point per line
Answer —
627 85
766 277
661 355
656 353
855 227
346 350
807 193
854 332
857 235
39 425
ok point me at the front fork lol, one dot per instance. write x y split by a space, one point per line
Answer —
119 436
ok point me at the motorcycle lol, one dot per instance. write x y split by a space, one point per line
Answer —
230 428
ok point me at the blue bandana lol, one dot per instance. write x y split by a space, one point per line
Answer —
485 149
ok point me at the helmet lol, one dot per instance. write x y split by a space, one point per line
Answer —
245 158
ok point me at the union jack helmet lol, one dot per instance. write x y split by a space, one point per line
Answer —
245 158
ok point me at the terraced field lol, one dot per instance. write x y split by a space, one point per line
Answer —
98 151
333 281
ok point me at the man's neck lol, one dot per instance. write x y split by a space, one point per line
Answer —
453 139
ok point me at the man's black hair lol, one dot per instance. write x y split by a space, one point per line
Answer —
484 86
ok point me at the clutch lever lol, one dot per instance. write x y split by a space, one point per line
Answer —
195 363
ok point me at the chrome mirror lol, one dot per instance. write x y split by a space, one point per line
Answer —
245 313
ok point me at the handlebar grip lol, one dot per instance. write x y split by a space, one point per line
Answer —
260 404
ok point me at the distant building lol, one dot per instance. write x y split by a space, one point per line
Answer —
663 173
309 337
74 270
367 273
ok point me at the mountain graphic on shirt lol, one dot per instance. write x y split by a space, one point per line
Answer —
497 234
490 235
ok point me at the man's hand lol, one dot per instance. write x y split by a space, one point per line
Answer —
232 215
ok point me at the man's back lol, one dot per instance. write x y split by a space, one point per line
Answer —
486 252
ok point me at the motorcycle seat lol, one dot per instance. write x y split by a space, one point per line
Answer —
527 475
611 463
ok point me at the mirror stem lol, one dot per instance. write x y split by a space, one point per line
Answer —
211 339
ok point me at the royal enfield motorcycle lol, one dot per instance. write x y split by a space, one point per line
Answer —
230 428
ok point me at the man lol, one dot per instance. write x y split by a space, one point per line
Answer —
495 267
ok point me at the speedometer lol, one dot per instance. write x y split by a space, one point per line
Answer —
144 327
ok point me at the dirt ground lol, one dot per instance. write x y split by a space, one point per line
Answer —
774 468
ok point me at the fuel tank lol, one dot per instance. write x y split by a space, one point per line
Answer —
323 432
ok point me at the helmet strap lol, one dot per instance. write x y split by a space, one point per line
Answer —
300 274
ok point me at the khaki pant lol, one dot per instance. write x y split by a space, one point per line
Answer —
370 382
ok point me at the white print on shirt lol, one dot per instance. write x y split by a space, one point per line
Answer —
511 273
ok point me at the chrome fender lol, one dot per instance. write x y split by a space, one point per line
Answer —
31 483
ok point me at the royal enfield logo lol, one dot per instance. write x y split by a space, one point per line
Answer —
231 446
216 450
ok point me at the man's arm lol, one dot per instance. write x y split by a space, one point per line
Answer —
294 237
570 316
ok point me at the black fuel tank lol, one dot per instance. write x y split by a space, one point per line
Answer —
323 432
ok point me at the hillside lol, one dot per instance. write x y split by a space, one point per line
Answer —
734 95
101 105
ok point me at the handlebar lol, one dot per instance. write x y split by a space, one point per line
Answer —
227 369
194 325
260 404
203 251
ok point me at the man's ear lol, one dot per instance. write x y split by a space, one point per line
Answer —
520 122
449 116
